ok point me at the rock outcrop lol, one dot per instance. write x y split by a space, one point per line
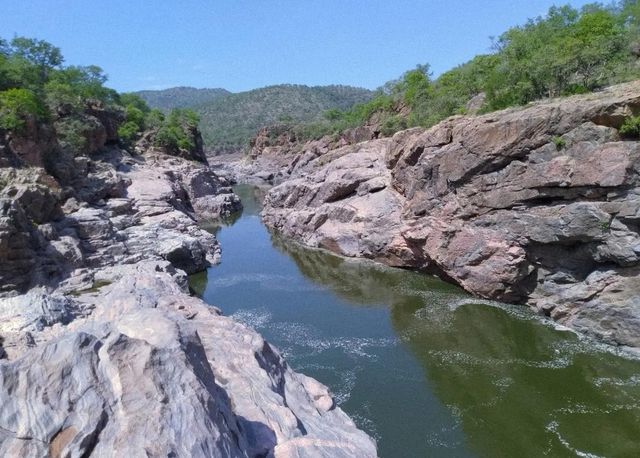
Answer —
145 369
276 153
536 205
102 349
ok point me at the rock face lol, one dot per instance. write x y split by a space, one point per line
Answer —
536 205
103 351
276 153
160 373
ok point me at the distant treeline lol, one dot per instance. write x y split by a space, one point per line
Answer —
228 121
568 51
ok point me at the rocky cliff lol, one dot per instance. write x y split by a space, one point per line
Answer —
102 349
276 152
537 205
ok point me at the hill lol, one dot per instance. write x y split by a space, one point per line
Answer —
180 97
229 121
567 51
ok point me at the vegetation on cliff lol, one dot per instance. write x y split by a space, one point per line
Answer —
568 51
36 88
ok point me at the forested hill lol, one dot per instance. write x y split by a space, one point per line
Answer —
228 122
180 97
567 51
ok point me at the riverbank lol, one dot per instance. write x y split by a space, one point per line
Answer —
535 205
420 365
102 349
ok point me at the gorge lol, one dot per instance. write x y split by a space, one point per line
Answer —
424 368
448 265
102 349
101 336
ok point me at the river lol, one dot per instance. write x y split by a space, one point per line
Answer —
420 365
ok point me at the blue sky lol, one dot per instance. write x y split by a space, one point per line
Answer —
245 44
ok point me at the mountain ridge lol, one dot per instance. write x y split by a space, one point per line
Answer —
179 96
228 121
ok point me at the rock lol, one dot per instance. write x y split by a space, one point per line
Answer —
184 253
102 349
110 119
32 147
535 205
160 372
476 103
18 246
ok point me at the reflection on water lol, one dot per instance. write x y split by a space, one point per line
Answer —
421 366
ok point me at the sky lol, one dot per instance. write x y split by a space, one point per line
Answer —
245 44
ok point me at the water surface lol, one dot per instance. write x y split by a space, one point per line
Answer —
421 366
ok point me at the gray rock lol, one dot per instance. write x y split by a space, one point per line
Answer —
102 350
159 372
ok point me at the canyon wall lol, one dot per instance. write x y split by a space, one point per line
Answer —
103 351
537 205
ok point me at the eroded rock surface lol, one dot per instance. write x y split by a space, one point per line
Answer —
103 352
152 371
535 205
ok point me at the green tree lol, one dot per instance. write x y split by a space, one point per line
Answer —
43 55
128 132
177 132
16 107
565 52
154 119
127 99
333 115
86 82
416 85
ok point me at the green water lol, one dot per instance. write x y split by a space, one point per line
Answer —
417 363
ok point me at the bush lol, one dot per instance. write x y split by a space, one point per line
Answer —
136 116
560 142
631 127
177 132
62 98
393 124
128 132
86 83
16 105
128 99
73 132
154 119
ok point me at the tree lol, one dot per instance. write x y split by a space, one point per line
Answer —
416 85
39 53
127 99
16 106
177 131
333 114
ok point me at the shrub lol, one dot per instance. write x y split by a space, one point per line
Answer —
16 105
631 127
154 119
85 82
62 98
73 133
136 116
177 130
393 124
128 132
133 100
560 142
